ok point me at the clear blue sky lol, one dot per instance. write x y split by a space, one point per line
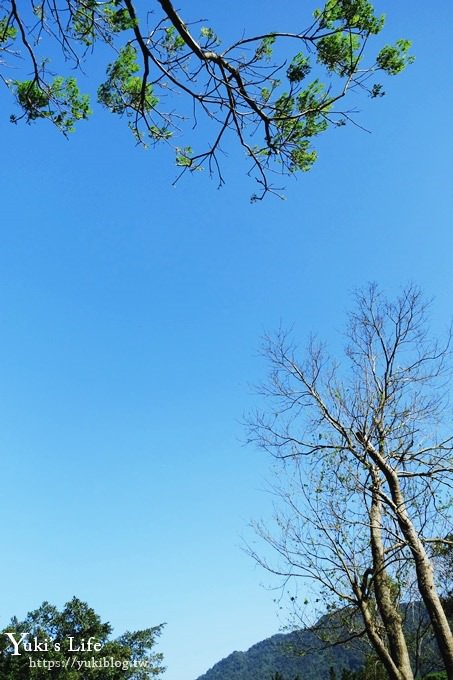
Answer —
130 318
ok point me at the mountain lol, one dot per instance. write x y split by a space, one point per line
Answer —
302 653
282 653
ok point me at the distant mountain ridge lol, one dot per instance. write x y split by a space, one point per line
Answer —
279 653
302 653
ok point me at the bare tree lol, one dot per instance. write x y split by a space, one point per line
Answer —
371 440
272 92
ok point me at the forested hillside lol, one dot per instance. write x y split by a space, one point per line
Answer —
281 653
303 654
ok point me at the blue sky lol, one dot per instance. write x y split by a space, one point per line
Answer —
131 313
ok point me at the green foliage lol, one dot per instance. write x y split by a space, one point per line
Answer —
91 20
172 40
7 32
60 101
33 98
299 68
264 49
297 119
119 19
377 91
353 14
123 91
253 90
160 133
83 24
372 670
184 156
394 59
54 629
209 36
339 52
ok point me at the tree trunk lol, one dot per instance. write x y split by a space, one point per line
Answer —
388 611
424 571
379 647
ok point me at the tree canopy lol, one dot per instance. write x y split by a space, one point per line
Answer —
272 92
74 643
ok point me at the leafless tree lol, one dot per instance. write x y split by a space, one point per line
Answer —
370 463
